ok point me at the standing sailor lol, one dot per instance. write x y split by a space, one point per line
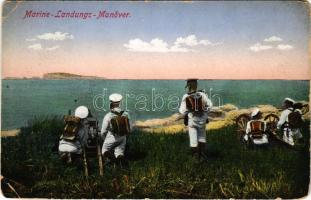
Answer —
116 126
290 121
194 107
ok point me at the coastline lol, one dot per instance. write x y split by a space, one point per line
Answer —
218 119
10 133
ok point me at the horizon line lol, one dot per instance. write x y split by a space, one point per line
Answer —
160 79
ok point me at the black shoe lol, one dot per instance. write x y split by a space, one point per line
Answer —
108 162
109 158
66 157
203 158
202 151
122 162
194 151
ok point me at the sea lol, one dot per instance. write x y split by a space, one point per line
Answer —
24 100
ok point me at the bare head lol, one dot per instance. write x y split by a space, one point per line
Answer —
192 85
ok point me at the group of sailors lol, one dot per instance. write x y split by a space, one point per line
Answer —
194 108
289 124
115 128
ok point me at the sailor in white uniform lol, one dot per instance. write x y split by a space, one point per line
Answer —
114 140
288 133
74 147
259 127
194 107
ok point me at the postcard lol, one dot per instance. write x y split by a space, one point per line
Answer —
159 100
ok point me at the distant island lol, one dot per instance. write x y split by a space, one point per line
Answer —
62 75
56 76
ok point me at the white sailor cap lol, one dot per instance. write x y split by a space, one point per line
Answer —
255 112
82 112
289 99
114 98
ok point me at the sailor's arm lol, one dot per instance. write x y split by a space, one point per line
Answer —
183 108
208 102
129 118
105 125
248 127
282 119
265 126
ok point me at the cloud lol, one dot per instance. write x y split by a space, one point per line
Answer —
37 46
30 39
155 45
273 39
205 42
52 48
177 48
259 47
181 44
284 47
192 40
55 36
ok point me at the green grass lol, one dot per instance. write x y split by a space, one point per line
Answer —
159 167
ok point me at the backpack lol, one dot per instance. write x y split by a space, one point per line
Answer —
120 124
295 119
257 128
194 102
72 126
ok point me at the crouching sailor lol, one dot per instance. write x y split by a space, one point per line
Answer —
194 107
290 121
116 127
255 129
75 134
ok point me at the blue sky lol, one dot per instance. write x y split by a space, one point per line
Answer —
235 26
233 21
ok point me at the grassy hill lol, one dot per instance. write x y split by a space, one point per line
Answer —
159 167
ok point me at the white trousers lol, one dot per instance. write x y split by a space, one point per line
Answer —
69 147
263 140
288 135
196 134
114 142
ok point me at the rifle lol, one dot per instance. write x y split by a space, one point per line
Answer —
86 170
95 136
99 155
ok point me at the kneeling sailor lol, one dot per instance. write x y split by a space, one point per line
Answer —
256 128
